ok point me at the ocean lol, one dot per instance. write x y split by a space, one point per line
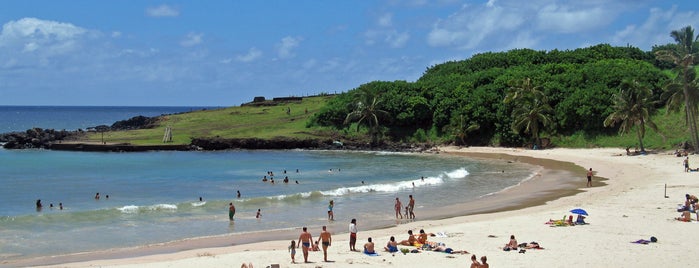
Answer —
154 196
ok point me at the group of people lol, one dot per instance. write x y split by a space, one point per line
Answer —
398 207
271 177
40 206
306 240
691 204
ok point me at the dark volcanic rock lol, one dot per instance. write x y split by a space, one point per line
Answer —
33 138
136 122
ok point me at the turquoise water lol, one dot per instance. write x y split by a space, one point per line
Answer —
153 196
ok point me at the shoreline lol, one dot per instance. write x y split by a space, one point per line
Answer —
633 205
549 184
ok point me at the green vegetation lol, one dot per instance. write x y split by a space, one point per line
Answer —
235 122
586 97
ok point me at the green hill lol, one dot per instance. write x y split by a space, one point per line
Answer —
234 122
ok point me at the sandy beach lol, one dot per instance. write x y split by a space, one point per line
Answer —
631 206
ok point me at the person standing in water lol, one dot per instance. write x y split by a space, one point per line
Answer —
331 216
231 211
589 178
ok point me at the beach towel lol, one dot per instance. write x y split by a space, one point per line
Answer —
372 254
641 241
441 234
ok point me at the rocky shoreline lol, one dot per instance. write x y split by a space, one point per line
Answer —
51 139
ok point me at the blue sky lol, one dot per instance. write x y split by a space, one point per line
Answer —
224 53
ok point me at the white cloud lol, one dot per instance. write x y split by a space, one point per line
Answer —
162 11
192 39
385 20
573 19
252 55
116 34
656 29
386 33
35 35
287 45
471 25
397 40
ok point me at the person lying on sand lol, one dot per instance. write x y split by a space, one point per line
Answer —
445 249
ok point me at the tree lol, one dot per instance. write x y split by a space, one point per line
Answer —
367 112
684 57
460 129
633 106
531 109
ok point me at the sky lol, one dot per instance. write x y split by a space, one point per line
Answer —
224 53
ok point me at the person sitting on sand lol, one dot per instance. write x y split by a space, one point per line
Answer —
392 245
422 238
369 247
484 262
249 265
474 261
686 216
315 247
512 245
411 239
580 220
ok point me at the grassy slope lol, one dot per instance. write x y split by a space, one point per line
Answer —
232 122
671 125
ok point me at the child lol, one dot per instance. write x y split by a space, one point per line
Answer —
292 249
407 208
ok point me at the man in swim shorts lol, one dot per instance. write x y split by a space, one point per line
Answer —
305 240
325 238
589 178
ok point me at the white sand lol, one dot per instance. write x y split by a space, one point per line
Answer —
631 207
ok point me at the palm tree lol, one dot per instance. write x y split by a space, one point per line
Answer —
530 116
523 90
460 129
531 109
684 58
633 107
367 112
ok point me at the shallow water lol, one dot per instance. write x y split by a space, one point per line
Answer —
154 195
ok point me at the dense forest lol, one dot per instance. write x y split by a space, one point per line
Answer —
516 97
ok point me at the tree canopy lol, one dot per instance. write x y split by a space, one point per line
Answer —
578 85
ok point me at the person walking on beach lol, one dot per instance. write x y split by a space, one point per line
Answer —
589 178
292 250
305 240
685 162
231 211
398 207
331 216
353 234
411 206
325 239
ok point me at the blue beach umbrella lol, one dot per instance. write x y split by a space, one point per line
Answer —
579 211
